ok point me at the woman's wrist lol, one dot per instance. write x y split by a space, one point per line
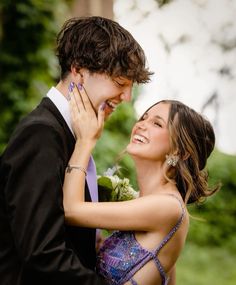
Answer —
86 143
70 167
82 153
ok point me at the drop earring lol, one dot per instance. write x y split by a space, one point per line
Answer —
172 159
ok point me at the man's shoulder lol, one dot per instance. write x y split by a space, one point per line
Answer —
45 120
45 114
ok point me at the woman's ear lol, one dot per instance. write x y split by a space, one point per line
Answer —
185 156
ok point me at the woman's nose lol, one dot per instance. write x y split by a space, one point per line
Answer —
141 124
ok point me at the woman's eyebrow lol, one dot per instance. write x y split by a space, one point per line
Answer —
160 118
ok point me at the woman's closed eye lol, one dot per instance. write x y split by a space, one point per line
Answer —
157 124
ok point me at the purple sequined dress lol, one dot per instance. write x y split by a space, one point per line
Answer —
121 256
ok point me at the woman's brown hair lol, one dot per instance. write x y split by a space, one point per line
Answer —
192 138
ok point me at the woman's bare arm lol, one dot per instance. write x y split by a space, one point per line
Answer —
145 213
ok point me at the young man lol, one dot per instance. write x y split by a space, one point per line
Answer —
35 245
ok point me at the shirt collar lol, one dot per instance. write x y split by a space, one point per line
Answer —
62 105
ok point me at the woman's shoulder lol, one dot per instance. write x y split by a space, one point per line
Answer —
168 201
167 208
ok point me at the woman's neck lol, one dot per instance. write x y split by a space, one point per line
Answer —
150 177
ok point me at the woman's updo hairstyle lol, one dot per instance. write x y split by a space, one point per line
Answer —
192 138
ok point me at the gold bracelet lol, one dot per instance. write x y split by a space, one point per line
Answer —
70 167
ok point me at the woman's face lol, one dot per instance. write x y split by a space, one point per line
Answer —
150 136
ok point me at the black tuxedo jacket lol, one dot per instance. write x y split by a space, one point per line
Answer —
35 245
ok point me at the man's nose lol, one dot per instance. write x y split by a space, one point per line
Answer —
126 95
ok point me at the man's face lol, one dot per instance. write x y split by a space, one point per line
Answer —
102 88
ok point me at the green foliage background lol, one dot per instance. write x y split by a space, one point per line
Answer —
28 65
28 68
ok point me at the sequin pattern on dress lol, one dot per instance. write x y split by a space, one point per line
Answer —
117 256
121 256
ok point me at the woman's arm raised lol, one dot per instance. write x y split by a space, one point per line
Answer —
144 213
87 126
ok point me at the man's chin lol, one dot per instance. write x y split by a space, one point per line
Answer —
108 112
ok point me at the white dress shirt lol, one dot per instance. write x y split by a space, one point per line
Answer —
63 107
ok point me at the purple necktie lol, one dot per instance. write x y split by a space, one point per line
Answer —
92 180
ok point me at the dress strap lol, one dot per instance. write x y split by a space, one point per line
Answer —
152 255
174 229
149 256
160 269
133 282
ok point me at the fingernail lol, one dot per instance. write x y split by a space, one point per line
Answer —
102 106
68 97
71 86
80 87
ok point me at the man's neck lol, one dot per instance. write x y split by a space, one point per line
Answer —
62 87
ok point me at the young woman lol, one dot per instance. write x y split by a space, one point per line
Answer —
170 145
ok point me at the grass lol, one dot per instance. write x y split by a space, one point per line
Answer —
206 266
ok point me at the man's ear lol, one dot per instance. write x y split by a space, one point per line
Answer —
77 76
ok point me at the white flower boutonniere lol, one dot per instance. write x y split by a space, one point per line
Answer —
113 188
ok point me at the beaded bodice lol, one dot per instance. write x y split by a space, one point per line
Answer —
117 256
121 256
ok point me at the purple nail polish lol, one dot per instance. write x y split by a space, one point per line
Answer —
102 106
71 86
80 87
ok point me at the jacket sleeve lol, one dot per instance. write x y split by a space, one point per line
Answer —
34 178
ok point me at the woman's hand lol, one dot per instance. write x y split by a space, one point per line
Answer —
86 124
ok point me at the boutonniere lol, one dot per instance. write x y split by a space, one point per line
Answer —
113 188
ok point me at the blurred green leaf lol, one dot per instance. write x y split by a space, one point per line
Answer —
27 59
